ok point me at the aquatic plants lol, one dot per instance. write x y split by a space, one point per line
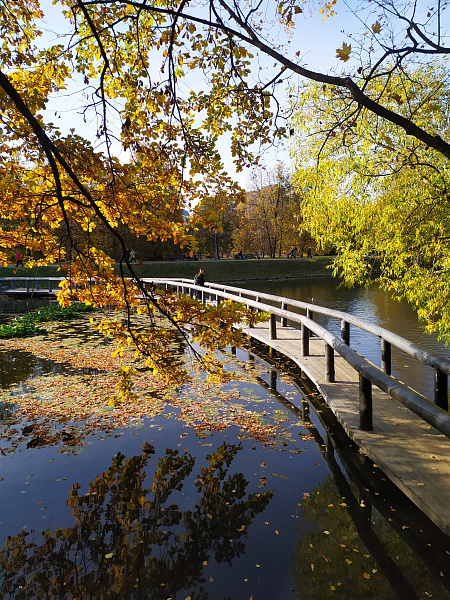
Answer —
26 325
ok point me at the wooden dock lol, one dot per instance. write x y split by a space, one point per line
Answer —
414 455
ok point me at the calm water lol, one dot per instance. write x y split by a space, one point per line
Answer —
214 515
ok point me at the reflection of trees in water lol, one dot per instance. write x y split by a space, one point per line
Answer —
333 562
131 540
15 366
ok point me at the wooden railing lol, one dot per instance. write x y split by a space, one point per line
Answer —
433 412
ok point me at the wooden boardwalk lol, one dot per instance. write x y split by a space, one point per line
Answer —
414 455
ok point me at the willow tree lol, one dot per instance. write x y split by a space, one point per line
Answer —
380 197
164 81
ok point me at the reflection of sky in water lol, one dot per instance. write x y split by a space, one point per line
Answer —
375 306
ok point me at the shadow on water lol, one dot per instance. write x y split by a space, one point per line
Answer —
374 511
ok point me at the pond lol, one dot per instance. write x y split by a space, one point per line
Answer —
200 492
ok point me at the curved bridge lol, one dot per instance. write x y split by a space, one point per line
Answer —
403 432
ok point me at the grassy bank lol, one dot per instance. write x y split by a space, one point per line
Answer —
215 270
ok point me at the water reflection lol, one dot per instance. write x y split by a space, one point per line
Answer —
16 306
131 537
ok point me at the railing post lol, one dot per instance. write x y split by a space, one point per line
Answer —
345 332
251 310
38 284
329 364
440 388
305 340
310 315
50 286
283 319
365 403
329 448
386 356
273 327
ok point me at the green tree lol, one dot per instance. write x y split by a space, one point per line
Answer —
380 196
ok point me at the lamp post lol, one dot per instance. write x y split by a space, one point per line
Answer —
216 251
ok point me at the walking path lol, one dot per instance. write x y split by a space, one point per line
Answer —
407 437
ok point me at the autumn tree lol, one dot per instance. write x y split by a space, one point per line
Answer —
270 221
216 237
161 84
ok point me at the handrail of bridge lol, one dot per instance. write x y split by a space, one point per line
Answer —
369 374
29 283
388 338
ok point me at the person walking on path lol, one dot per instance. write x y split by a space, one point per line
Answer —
18 257
199 279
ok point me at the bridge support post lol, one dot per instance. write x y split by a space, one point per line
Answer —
365 403
386 356
273 327
345 332
329 448
305 340
440 388
329 364
283 319
273 379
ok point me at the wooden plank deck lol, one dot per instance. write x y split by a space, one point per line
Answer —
414 455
